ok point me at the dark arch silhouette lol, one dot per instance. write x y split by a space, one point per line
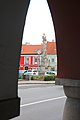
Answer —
66 18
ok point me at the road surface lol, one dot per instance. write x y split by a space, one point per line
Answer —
41 102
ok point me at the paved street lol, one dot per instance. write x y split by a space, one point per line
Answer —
41 102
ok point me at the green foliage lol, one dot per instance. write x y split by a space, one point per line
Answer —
49 77
23 77
43 77
37 77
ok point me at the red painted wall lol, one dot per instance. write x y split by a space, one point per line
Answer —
21 63
31 64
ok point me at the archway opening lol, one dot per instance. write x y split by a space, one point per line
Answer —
39 43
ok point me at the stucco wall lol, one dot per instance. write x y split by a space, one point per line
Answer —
66 18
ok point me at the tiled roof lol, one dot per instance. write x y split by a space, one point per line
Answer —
32 49
51 48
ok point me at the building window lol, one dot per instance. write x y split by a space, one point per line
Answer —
35 59
52 59
27 60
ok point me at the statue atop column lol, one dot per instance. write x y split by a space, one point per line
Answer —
44 55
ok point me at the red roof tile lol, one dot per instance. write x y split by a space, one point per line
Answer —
32 49
51 48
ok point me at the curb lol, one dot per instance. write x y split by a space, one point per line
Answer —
35 82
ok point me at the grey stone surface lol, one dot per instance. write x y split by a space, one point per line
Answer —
67 82
72 91
72 109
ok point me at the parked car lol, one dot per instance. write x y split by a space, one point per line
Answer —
31 72
51 73
21 71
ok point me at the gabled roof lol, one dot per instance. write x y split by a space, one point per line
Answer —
32 49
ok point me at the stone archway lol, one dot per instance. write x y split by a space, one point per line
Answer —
66 17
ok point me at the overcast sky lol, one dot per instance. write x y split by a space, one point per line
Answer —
38 21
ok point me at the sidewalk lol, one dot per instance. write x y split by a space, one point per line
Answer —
34 82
